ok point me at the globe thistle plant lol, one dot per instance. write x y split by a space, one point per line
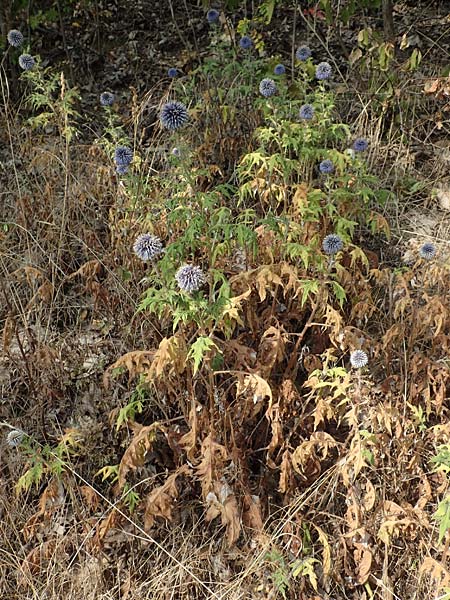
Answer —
279 69
190 278
26 62
246 42
332 244
306 112
15 438
148 247
358 359
123 156
303 53
360 145
326 166
428 251
107 99
267 87
212 15
323 71
174 115
172 72
15 38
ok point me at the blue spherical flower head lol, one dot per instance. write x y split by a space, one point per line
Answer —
107 99
15 38
174 115
428 251
358 359
190 278
26 62
360 145
123 156
323 71
246 42
332 244
176 152
172 72
326 166
212 15
303 53
306 112
279 69
148 247
267 87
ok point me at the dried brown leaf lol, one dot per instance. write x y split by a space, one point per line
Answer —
160 501
136 363
210 467
134 455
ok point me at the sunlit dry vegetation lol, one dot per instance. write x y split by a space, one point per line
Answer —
225 325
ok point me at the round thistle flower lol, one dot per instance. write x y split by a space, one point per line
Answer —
172 72
246 42
174 115
358 359
360 145
122 169
15 438
326 167
190 278
427 251
148 246
303 52
323 71
267 87
332 244
176 152
15 38
26 62
306 112
123 156
212 15
279 69
107 99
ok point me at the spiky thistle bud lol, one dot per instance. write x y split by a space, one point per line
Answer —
15 38
174 115
326 166
427 251
107 99
323 71
212 15
246 42
15 438
26 62
148 247
267 87
306 112
190 278
332 244
123 156
303 52
358 359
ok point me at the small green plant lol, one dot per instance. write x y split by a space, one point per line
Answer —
52 99
46 461
280 574
134 407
